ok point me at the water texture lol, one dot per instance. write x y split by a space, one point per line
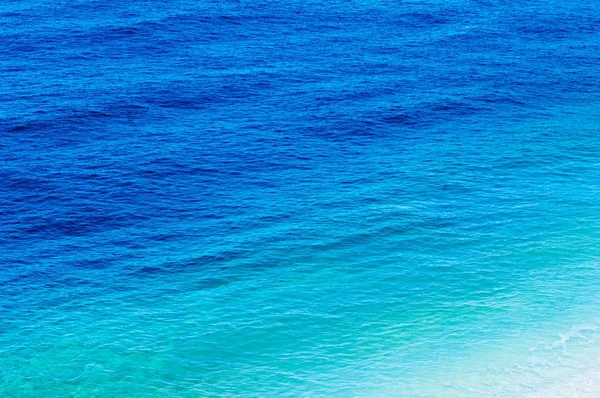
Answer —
283 198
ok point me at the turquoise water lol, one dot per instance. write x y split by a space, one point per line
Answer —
363 199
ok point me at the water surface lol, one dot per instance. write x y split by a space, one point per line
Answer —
350 198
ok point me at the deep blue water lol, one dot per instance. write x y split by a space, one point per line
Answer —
284 198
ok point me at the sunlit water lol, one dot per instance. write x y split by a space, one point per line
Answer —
362 198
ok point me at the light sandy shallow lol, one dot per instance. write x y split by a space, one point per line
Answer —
583 385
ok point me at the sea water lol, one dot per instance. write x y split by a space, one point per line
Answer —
299 198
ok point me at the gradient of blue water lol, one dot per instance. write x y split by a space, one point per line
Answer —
349 198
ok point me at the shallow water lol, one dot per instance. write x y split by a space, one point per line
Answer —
299 199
